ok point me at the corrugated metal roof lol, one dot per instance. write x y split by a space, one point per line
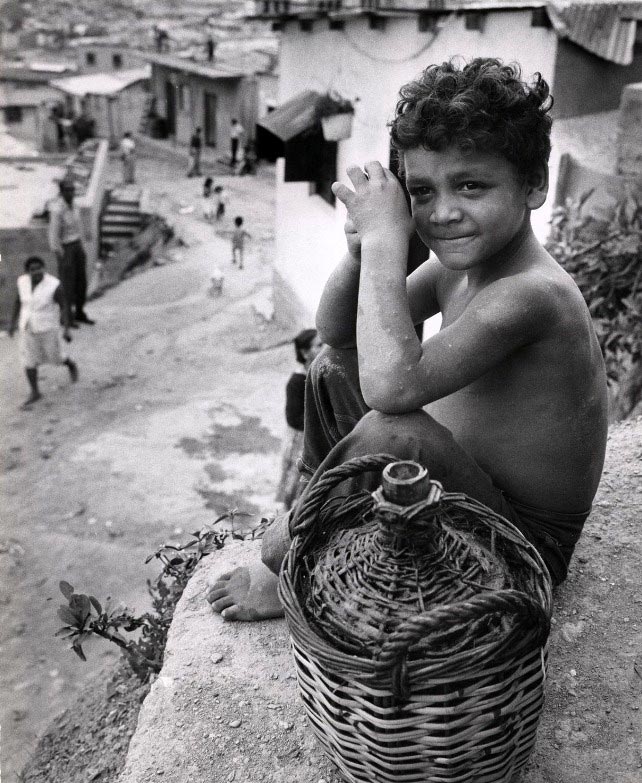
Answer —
102 83
292 117
607 29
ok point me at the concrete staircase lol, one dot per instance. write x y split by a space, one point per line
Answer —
80 165
121 217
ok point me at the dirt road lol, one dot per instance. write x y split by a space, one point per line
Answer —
169 423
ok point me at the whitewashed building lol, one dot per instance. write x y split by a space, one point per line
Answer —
365 50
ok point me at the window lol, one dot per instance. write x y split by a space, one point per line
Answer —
90 58
539 18
117 60
475 20
376 22
13 114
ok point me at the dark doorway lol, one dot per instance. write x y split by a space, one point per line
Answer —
211 101
170 111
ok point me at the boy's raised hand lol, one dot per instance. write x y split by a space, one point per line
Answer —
376 207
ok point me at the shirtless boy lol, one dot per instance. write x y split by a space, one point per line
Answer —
507 403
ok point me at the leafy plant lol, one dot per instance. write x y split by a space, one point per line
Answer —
84 616
605 260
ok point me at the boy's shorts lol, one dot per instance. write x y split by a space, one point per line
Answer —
553 533
38 348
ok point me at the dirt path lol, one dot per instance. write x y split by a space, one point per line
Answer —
168 424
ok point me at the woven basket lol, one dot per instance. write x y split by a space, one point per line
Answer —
419 632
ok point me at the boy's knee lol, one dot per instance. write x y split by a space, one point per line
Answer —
414 435
333 364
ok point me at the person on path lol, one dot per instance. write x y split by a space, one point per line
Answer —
38 310
507 403
195 147
307 345
65 232
128 158
221 201
236 134
239 235
208 201
210 47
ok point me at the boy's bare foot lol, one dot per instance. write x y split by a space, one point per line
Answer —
33 397
246 594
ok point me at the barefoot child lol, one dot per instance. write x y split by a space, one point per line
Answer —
239 234
37 312
507 403
221 201
208 201
307 345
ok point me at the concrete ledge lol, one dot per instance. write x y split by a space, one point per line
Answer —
215 674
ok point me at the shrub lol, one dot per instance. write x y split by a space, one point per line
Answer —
84 616
605 260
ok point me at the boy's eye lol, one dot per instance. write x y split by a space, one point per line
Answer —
420 190
471 186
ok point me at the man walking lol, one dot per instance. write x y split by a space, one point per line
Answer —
65 241
37 313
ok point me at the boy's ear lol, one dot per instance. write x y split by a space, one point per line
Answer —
537 188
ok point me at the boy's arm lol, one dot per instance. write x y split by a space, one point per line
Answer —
397 373
337 312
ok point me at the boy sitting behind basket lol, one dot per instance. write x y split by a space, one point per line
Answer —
507 403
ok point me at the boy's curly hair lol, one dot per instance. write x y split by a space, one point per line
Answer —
482 106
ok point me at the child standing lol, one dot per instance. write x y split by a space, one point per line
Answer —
507 402
307 345
128 157
208 205
239 235
221 201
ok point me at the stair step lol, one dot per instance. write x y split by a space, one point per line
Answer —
110 218
116 209
127 209
114 232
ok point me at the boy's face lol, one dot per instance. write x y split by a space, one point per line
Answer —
467 207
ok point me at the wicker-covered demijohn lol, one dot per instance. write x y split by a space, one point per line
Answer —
419 622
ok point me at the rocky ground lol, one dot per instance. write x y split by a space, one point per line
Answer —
171 420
